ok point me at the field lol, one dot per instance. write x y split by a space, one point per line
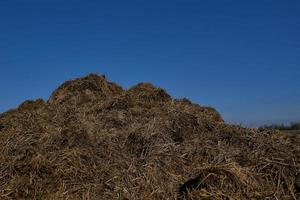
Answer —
293 132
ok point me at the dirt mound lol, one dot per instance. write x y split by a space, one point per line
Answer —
94 140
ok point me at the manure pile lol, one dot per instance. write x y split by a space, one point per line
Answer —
95 140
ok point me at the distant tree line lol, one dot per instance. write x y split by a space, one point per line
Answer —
282 127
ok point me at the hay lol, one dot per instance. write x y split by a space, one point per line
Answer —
94 140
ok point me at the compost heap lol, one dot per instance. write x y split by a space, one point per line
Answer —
95 140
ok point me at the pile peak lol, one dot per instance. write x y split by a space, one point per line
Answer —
91 86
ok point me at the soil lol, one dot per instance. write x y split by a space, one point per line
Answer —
95 140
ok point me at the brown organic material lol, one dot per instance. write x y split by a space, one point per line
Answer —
94 140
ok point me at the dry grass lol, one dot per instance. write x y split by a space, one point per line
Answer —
94 140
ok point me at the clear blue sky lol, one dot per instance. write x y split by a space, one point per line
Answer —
241 57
